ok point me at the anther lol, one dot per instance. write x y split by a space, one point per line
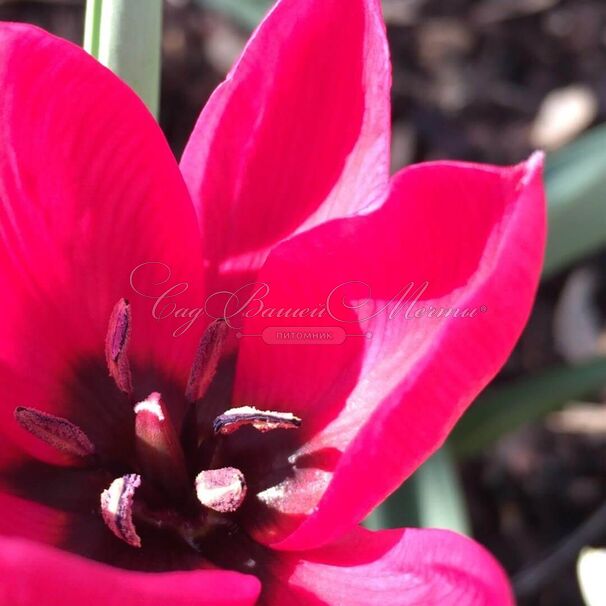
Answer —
159 451
55 431
206 360
117 508
262 420
221 490
116 345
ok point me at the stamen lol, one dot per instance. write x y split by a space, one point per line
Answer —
221 490
206 360
262 420
117 508
158 448
116 345
55 431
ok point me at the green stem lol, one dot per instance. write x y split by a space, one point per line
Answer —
92 24
126 36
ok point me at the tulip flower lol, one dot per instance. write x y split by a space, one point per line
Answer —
212 372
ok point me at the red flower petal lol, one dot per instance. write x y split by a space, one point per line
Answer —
46 503
25 519
296 135
392 568
378 407
89 190
33 574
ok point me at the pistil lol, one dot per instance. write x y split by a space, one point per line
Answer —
159 451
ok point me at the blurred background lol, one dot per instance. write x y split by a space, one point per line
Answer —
483 80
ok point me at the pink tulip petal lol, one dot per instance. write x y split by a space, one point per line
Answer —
392 568
47 503
374 409
89 190
296 135
33 574
19 516
26 519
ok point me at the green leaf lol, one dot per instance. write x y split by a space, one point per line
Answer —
247 13
501 410
438 491
431 498
576 190
126 36
400 510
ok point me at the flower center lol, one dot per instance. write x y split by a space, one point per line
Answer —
160 490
